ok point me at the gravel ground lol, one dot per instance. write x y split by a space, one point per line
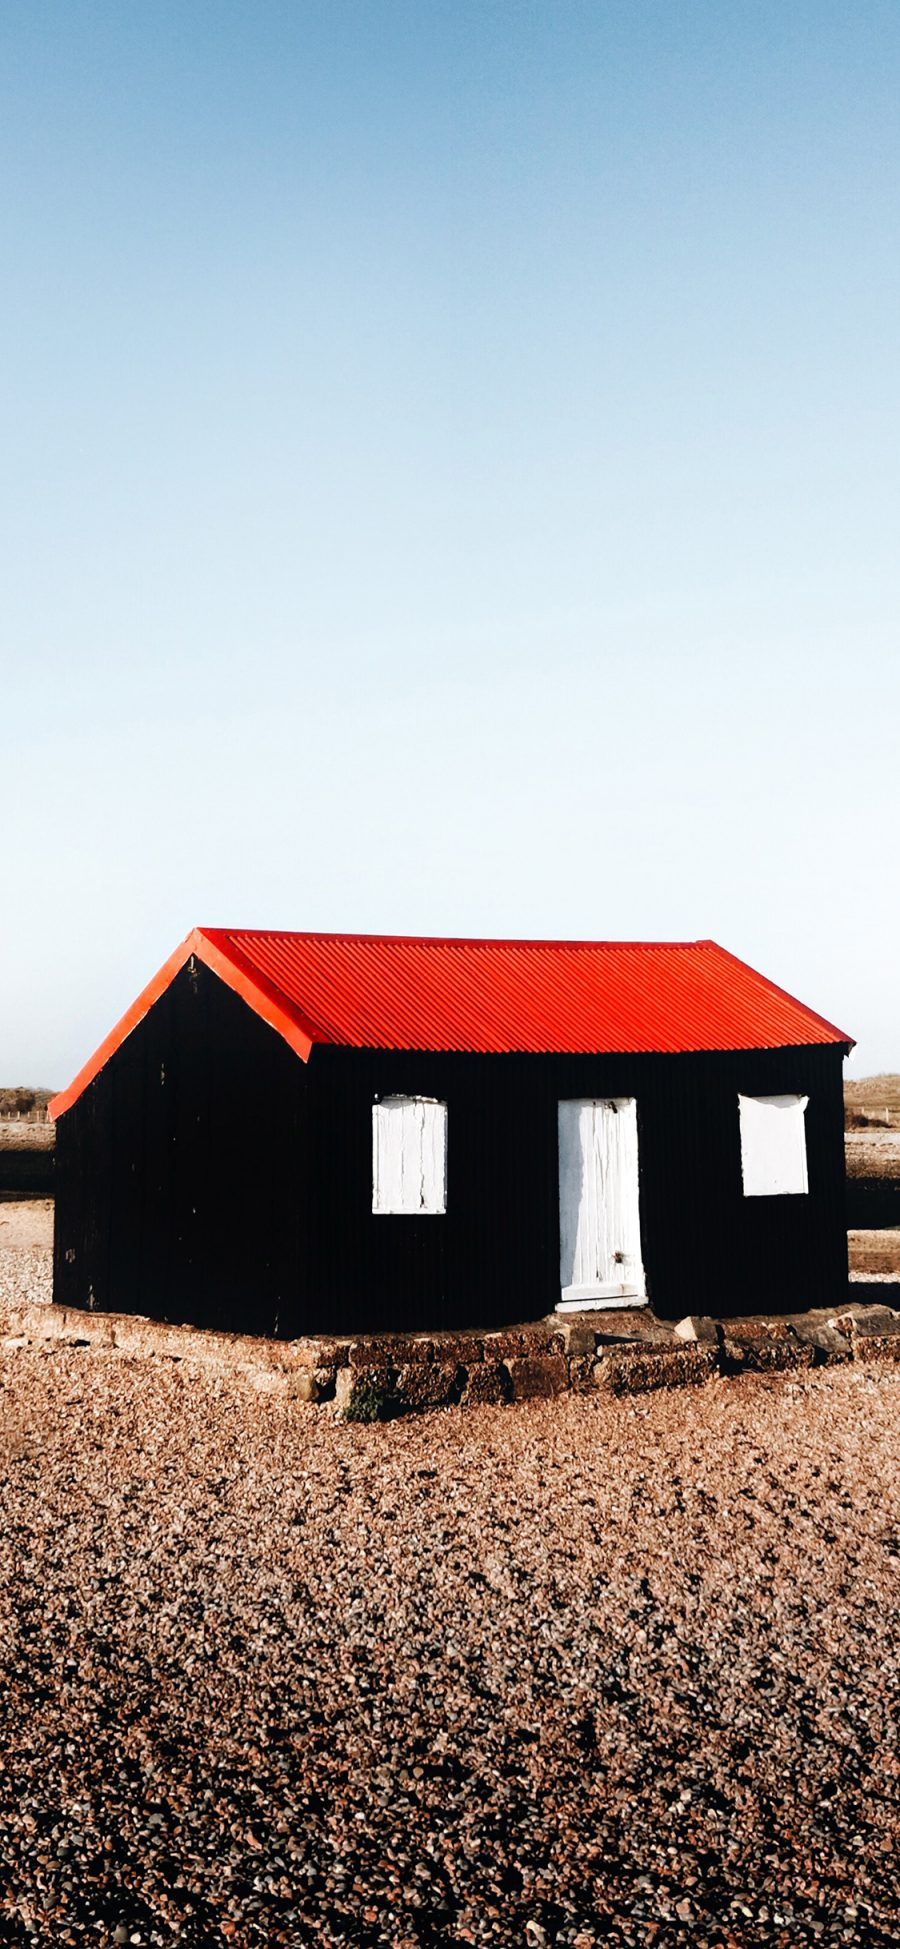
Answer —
874 1254
872 1153
574 1672
26 1252
21 1134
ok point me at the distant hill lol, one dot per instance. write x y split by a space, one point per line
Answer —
872 1103
22 1102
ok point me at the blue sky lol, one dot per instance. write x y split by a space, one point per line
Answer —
449 484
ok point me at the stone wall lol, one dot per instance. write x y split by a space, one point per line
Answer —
379 1378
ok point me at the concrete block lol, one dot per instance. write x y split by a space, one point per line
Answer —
521 1343
641 1370
538 1376
828 1343
486 1381
428 1385
391 1350
577 1338
699 1327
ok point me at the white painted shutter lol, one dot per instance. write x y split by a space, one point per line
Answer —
773 1145
409 1155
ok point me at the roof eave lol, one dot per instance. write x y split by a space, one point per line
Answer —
233 970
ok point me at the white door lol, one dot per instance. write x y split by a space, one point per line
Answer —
599 1217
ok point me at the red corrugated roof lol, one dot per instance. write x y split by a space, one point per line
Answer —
373 991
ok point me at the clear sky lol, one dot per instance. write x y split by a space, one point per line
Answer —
449 483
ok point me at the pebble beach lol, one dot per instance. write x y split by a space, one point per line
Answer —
569 1672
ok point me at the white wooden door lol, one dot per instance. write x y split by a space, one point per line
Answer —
599 1215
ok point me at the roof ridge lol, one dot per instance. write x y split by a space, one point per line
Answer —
445 940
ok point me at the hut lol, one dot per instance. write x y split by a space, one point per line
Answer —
309 1133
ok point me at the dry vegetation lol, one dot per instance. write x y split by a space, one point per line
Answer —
20 1102
872 1103
24 1127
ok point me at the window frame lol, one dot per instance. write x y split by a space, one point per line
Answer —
387 1200
762 1167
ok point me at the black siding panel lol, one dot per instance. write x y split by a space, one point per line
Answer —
207 1174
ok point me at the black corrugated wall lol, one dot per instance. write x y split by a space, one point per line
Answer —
207 1174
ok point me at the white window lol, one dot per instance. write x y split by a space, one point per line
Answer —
773 1145
409 1155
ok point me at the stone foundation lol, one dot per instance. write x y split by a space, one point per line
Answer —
371 1378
